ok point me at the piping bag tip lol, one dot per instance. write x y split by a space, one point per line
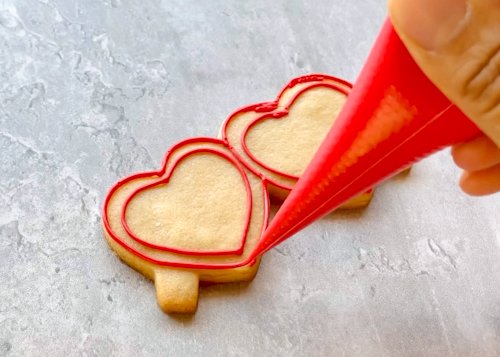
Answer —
393 117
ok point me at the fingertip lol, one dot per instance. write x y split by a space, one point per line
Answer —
468 185
473 187
481 183
457 154
475 155
466 155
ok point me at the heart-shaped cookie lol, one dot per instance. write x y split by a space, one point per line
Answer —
156 214
285 140
277 139
196 219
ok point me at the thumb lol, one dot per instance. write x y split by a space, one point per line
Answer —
457 45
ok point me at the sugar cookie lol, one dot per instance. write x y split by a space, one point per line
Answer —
197 219
200 216
278 139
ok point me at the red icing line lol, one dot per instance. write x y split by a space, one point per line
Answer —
166 179
314 77
161 172
278 115
270 107
264 107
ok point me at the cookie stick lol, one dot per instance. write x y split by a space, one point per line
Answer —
181 215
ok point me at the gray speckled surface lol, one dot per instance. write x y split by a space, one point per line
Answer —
91 91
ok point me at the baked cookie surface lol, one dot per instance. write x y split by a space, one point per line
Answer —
278 139
197 219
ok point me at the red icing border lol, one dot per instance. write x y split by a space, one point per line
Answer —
268 108
166 179
281 114
160 173
314 77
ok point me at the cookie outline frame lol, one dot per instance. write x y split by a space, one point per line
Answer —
281 114
249 261
267 108
165 178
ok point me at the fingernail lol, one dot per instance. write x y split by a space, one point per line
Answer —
432 24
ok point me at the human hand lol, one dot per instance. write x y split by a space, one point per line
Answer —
457 45
480 159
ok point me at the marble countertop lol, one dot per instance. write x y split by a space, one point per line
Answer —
91 91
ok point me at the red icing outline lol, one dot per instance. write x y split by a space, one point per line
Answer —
264 107
166 179
280 114
269 107
248 261
314 77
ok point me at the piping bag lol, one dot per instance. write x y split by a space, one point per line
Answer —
393 117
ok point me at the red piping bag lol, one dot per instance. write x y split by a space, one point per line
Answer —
393 117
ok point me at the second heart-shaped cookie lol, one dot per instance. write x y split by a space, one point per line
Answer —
285 140
278 139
